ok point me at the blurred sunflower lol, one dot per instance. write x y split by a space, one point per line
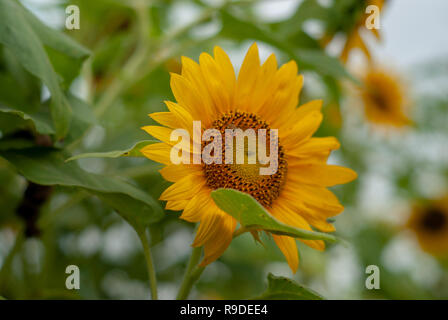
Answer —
430 224
384 98
352 29
262 96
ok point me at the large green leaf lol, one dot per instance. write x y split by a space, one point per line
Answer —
281 288
25 37
133 151
13 79
252 215
56 39
83 118
40 122
46 166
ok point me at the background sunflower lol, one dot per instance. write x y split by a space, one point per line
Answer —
430 224
384 98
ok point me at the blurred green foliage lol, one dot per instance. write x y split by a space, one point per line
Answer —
69 92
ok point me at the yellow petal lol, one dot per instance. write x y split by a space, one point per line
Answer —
185 188
285 103
288 247
313 215
288 216
247 77
316 146
207 227
316 217
313 196
305 109
175 172
212 75
220 239
354 40
164 134
190 97
227 71
165 118
159 152
304 129
198 207
160 133
182 116
321 174
176 205
264 85
283 96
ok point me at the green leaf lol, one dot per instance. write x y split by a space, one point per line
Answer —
281 288
133 151
83 118
46 166
252 215
65 54
21 37
56 39
40 122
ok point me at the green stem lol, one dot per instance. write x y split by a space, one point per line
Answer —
149 262
192 274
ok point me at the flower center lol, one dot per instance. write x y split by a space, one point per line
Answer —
379 99
246 176
434 220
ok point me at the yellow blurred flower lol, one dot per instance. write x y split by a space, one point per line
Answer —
354 39
261 96
430 224
384 98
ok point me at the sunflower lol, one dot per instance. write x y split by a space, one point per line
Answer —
354 40
384 98
262 96
430 224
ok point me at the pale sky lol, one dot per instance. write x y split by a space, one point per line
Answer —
414 31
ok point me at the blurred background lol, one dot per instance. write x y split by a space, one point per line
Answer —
403 171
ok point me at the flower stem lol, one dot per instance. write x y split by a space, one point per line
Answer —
149 263
192 274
